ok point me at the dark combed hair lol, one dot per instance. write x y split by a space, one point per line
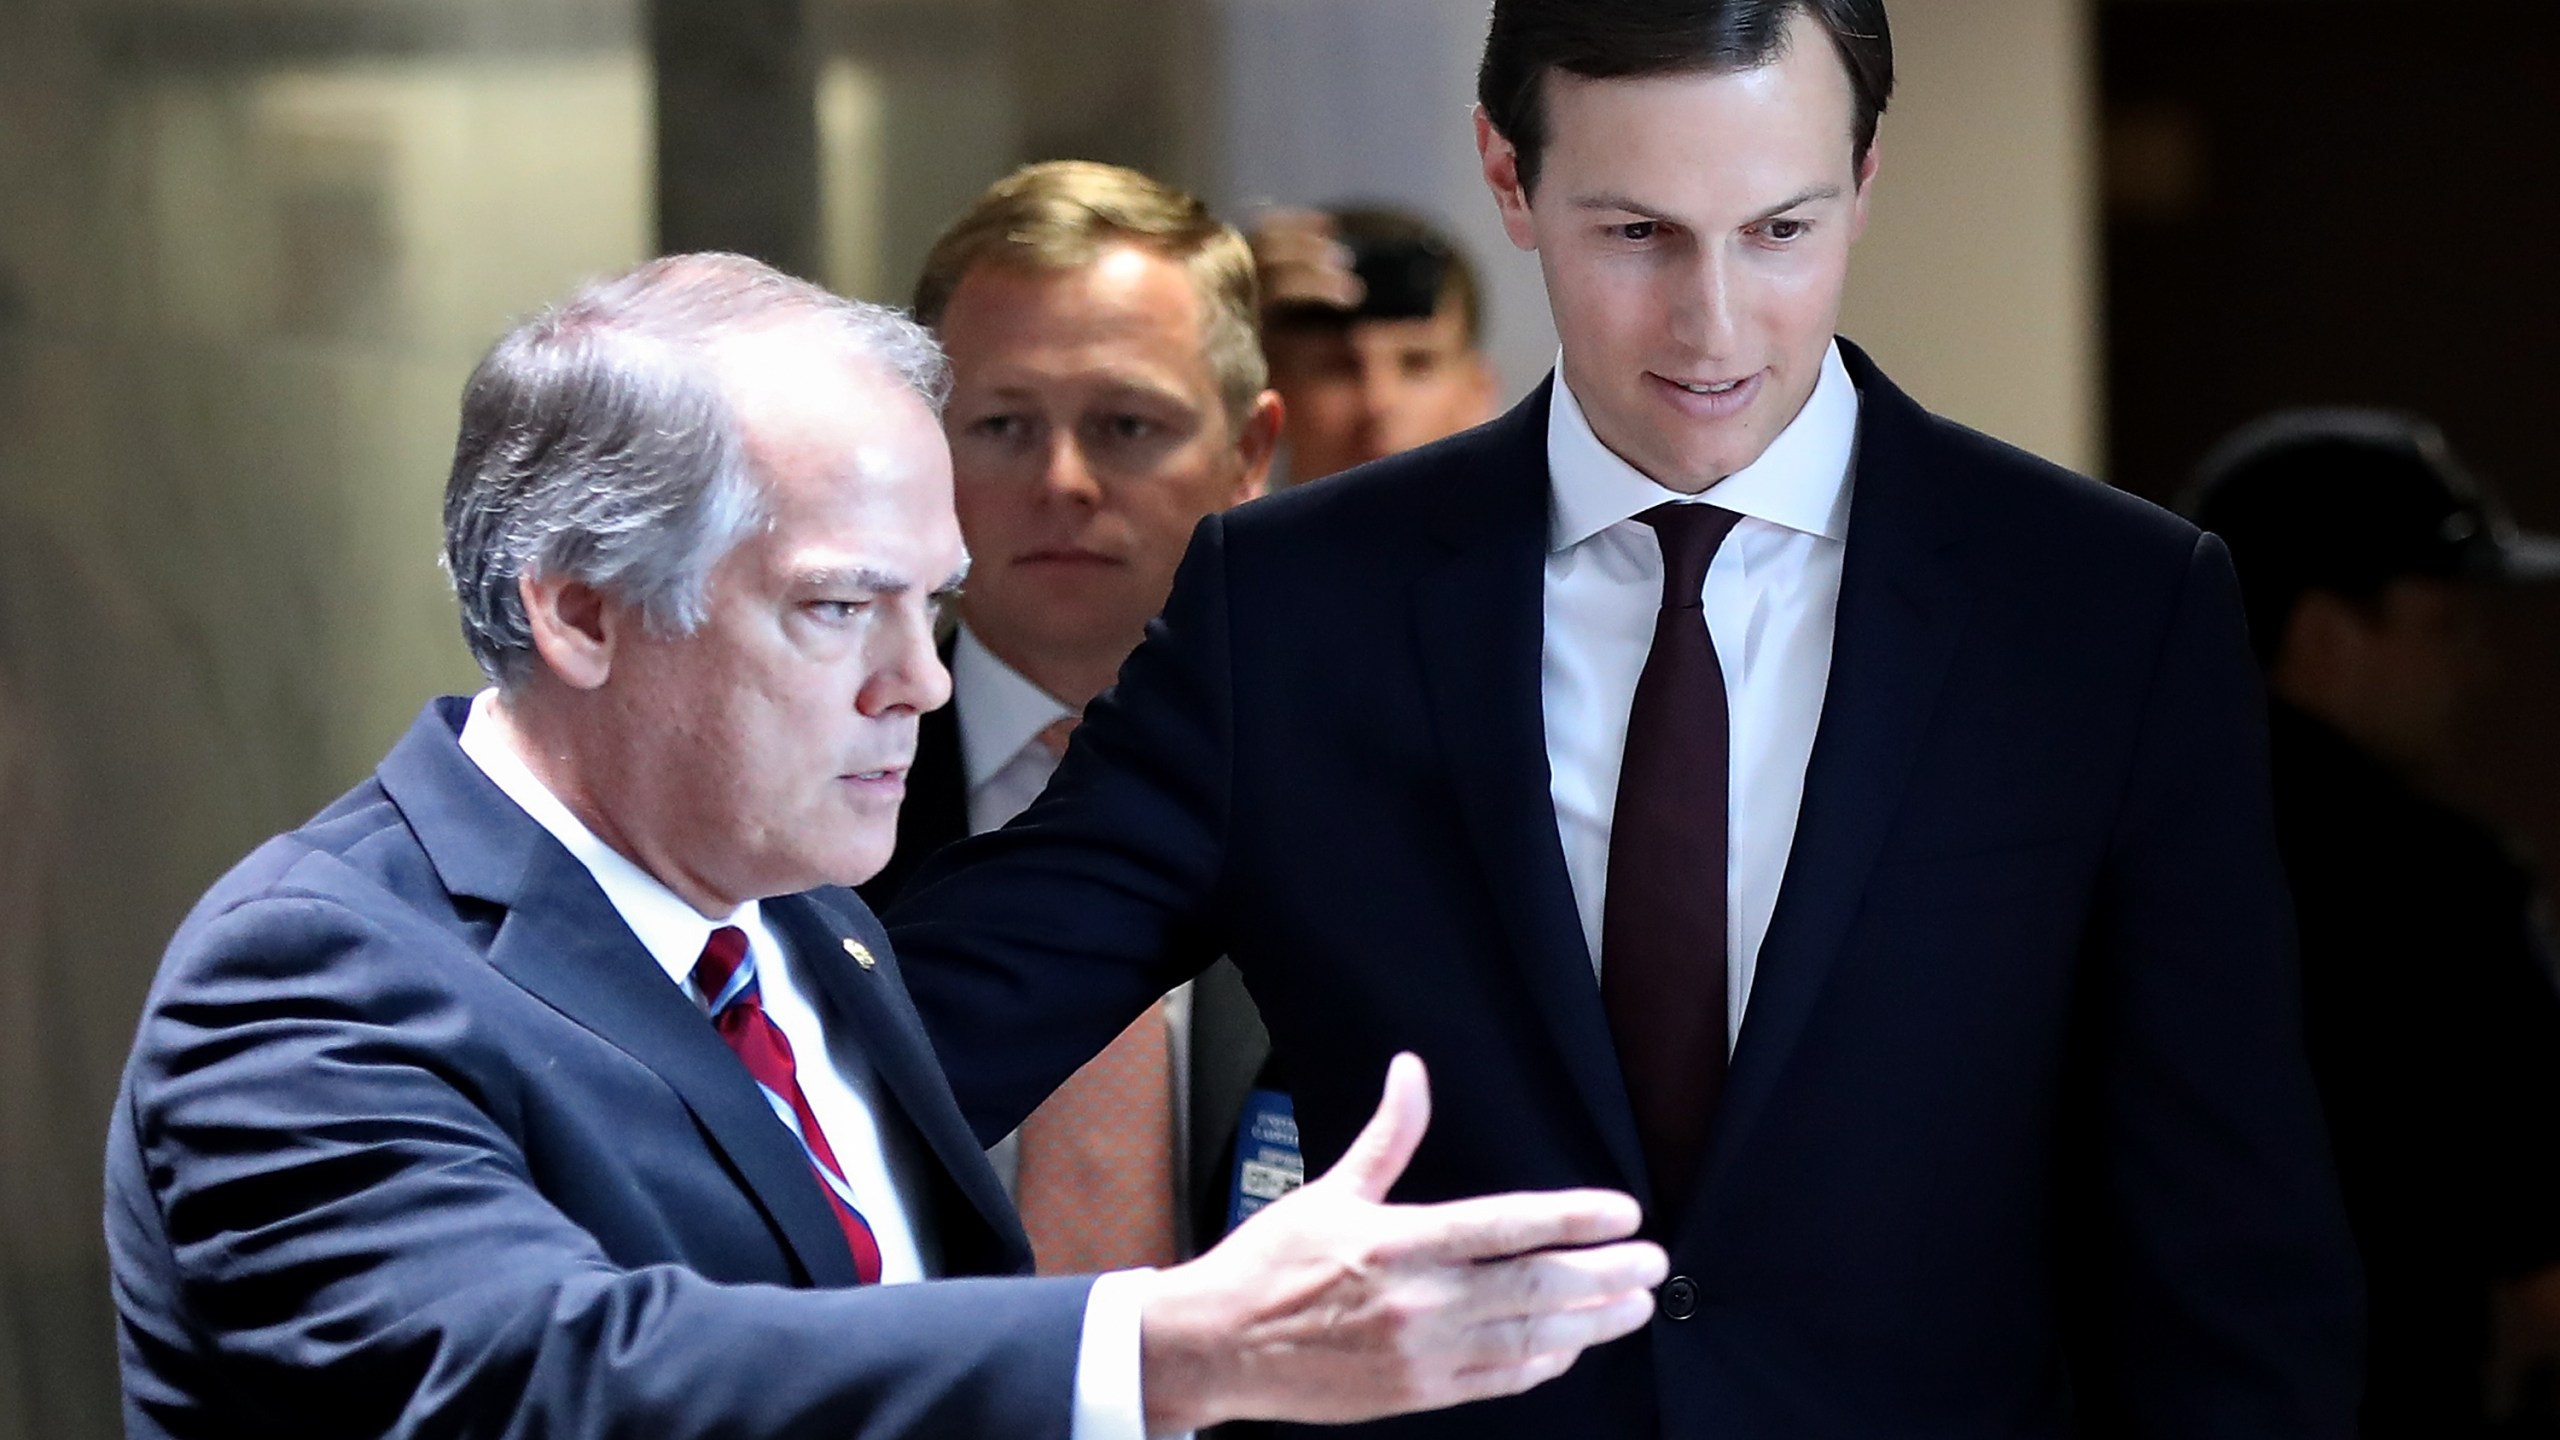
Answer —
1627 39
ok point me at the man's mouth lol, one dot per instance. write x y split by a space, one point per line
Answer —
1715 387
1064 555
1711 398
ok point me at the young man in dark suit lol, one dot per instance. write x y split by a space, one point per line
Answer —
1108 390
1844 831
549 1083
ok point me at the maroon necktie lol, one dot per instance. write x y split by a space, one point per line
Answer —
727 980
1662 926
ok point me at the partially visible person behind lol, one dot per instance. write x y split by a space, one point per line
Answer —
2433 1029
1374 322
1107 392
549 1083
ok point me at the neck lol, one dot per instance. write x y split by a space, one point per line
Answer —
1072 678
541 737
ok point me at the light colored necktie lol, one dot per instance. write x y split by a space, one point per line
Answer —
1096 1181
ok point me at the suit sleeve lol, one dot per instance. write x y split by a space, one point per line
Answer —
2223 1294
1029 948
317 1160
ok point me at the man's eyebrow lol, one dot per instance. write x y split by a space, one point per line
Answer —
1633 206
1613 201
1807 197
951 587
860 578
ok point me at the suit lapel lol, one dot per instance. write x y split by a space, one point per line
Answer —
1479 620
1902 612
563 942
891 1039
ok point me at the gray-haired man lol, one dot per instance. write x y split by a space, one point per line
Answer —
546 1083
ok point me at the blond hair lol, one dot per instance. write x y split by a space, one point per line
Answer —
1064 214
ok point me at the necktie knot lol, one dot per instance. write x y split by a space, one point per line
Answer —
722 954
1690 536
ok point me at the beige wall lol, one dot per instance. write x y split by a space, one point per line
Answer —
1978 284
238 297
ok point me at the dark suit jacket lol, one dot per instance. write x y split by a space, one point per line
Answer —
416 1139
1229 1047
2018 1139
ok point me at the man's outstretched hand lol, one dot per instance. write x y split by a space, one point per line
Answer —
1332 1305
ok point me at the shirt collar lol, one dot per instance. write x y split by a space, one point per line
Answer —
1801 481
672 931
1005 711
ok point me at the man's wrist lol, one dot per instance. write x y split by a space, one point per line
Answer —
1182 1354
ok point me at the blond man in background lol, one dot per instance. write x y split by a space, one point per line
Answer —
1109 391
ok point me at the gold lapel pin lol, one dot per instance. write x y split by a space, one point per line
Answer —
860 952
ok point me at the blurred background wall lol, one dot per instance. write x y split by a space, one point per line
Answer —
250 248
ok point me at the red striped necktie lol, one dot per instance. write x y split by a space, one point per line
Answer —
726 976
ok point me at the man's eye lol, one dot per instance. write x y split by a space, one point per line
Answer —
1128 427
997 427
834 612
1638 231
1786 232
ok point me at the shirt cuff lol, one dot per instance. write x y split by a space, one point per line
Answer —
1111 1398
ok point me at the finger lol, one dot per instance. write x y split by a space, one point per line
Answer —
1489 1227
1556 1279
1378 1155
1502 1343
1532 1286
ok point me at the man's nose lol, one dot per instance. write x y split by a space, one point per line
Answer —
1377 393
1703 318
1067 474
909 673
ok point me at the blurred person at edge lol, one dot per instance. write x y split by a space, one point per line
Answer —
2361 544
1374 322
549 1083
1107 392
1743 788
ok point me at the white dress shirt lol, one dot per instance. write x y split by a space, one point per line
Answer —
1000 714
1771 598
887 1178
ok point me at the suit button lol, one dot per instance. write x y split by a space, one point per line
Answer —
1679 1298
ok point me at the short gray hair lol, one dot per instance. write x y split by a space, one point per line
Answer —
598 443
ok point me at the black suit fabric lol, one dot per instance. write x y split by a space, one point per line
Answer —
1229 1049
2435 1038
2018 1139
417 1139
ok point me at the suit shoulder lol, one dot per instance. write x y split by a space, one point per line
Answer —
340 881
1386 497
2073 520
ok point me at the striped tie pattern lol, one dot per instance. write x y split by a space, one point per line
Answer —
726 976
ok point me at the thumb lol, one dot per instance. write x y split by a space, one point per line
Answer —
1377 1157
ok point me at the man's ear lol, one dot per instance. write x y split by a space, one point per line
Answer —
1256 444
574 628
1502 177
1866 188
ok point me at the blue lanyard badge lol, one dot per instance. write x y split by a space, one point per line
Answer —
1268 1164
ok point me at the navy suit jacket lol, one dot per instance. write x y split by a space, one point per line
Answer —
417 1139
2018 1139
1228 1046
